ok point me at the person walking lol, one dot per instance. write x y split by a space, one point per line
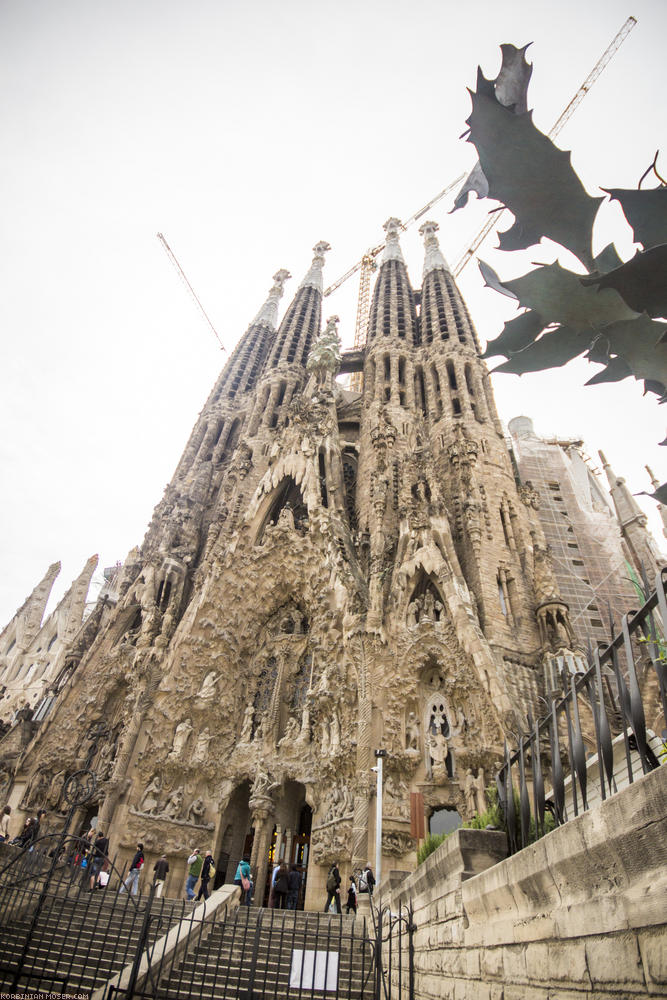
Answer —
160 869
351 896
132 880
293 886
370 878
242 879
4 823
195 864
98 857
281 887
207 873
333 888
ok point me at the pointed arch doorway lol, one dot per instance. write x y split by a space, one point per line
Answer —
290 839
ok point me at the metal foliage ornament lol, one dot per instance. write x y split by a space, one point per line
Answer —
608 315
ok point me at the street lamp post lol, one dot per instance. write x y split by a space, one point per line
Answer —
379 757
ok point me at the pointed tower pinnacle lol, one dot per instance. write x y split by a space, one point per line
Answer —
661 506
627 508
434 258
313 278
268 314
392 251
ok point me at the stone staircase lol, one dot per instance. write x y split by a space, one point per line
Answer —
250 954
79 941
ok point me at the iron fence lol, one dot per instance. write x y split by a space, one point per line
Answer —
610 697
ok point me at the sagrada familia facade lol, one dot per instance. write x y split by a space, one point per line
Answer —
329 572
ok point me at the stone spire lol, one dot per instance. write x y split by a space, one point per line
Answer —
433 259
268 314
627 508
392 250
633 521
71 608
313 278
29 616
301 323
661 506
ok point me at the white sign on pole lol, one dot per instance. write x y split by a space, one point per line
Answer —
314 970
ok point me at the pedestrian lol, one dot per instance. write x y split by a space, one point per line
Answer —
160 869
132 880
351 896
272 887
207 873
98 857
333 888
370 878
242 879
4 823
293 886
281 887
195 862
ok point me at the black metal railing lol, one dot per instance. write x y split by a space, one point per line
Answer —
594 739
394 952
263 953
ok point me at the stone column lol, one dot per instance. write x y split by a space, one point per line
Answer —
262 819
362 792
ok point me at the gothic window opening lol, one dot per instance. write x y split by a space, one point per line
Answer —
369 383
451 376
386 361
323 478
163 594
436 391
350 485
420 389
265 685
438 733
300 684
456 406
232 437
442 315
401 381
426 313
288 497
52 643
400 314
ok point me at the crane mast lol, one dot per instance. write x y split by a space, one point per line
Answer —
181 273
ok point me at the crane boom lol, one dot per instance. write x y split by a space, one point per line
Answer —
602 62
172 257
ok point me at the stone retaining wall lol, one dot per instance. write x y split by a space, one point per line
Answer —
583 912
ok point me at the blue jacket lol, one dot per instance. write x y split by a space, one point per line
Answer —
243 869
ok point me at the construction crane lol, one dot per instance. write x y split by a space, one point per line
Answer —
602 62
172 257
368 264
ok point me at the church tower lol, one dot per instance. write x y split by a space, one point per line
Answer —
329 573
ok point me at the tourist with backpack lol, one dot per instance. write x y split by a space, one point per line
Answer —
242 879
333 888
195 865
207 873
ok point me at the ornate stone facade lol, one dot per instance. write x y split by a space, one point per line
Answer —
328 572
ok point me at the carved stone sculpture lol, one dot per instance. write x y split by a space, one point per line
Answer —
174 804
246 729
181 737
412 732
469 793
196 811
480 792
150 802
207 691
200 756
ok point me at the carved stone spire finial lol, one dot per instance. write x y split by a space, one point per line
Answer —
392 250
314 276
434 258
268 314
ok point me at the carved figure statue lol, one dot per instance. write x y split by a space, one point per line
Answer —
439 608
413 614
469 793
246 730
196 811
412 732
207 690
438 748
291 731
480 791
200 756
181 737
334 742
174 804
150 802
429 605
262 785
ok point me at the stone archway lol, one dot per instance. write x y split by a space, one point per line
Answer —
290 823
236 834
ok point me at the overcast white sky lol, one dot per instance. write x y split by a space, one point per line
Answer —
245 132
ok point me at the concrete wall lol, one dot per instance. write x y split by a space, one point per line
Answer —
581 913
